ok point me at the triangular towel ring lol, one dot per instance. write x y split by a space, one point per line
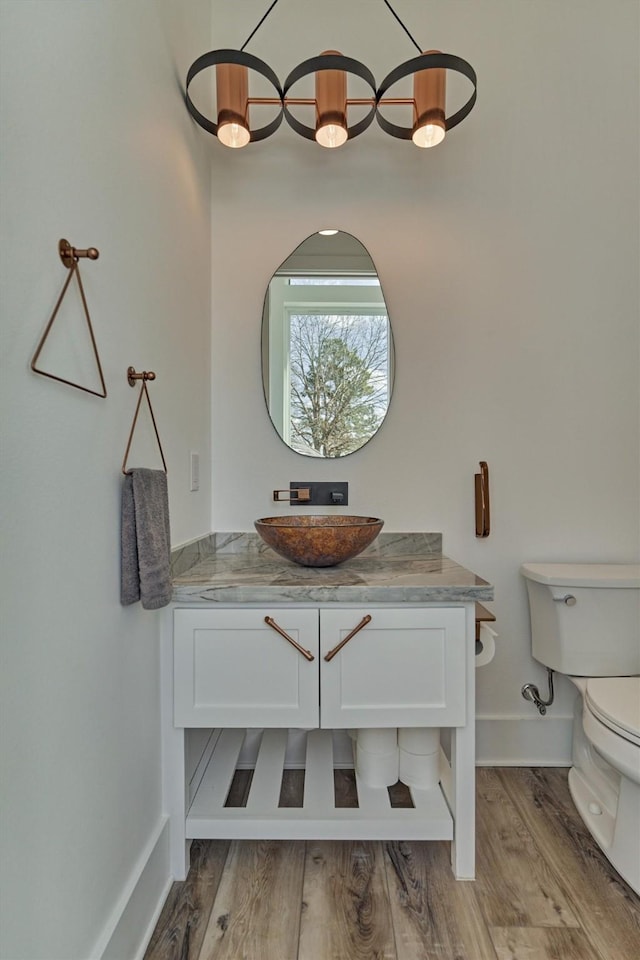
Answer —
132 376
70 256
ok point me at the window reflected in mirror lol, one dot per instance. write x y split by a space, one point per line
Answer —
327 348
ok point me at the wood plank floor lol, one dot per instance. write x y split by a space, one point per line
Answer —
544 891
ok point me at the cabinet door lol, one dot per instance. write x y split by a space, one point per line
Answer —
233 670
404 668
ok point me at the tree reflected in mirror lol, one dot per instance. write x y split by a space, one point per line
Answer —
338 381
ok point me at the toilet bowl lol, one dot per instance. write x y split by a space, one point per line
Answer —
604 780
612 721
585 624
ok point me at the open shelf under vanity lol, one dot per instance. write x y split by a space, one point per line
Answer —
381 813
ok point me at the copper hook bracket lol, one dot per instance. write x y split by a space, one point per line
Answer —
70 255
132 376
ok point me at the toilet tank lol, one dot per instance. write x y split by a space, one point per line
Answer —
599 634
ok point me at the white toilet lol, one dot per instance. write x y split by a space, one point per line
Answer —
585 623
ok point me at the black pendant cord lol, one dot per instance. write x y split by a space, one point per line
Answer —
418 48
386 2
257 27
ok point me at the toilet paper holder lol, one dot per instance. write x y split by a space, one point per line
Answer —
485 636
486 645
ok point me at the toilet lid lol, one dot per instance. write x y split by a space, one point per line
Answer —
615 701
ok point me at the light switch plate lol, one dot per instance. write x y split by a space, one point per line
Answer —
194 471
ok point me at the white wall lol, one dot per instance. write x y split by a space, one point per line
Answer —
509 260
97 147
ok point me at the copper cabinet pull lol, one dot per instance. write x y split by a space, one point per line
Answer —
365 620
294 643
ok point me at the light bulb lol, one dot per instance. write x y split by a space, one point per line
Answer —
331 135
233 135
429 93
428 135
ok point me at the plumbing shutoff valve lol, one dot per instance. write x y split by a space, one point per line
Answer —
531 692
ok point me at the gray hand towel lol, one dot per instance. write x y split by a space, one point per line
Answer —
145 539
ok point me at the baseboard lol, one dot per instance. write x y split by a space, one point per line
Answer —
134 917
517 741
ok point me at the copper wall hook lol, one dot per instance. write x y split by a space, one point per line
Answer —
70 257
132 376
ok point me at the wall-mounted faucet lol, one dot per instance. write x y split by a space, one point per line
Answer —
297 495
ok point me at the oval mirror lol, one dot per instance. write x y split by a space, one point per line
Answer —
327 347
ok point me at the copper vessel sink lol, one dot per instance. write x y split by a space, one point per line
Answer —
318 541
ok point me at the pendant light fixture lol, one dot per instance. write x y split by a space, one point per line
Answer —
232 86
429 90
331 103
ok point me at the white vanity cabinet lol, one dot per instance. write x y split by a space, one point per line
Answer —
291 667
302 679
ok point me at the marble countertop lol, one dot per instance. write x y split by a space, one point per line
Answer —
396 568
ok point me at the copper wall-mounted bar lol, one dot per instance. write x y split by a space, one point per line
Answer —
70 257
483 512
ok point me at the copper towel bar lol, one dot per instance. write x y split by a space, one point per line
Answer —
132 377
70 257
483 513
